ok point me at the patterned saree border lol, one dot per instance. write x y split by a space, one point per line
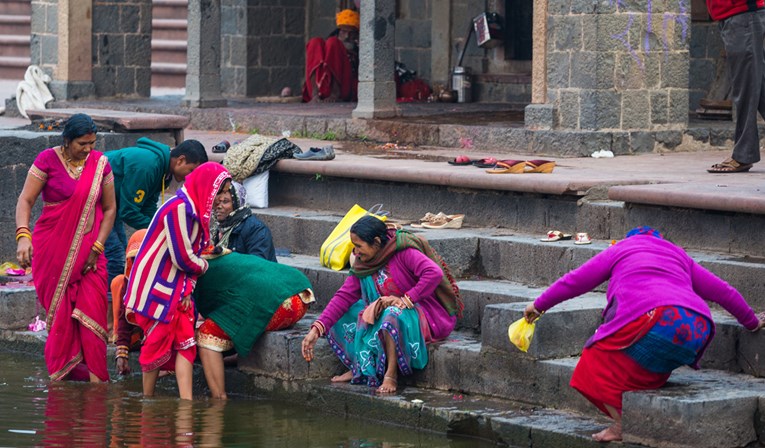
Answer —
61 374
90 324
66 273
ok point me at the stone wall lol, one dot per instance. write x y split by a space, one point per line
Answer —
263 47
618 65
44 41
122 48
707 62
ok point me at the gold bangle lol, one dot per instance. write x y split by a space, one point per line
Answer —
100 246
23 235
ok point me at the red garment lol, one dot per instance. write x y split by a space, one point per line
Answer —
164 341
605 372
327 62
76 304
722 9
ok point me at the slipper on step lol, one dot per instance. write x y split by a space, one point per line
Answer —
582 238
486 162
460 161
556 235
730 166
539 166
508 167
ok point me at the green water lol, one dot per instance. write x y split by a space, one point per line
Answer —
36 412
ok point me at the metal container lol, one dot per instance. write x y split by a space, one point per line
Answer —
461 82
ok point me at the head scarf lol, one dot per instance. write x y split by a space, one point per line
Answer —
134 243
221 231
347 17
644 230
201 187
447 292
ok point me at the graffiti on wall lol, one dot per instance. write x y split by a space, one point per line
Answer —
681 18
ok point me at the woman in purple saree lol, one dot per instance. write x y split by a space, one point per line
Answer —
69 268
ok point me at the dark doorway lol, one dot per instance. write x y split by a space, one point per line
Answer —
518 28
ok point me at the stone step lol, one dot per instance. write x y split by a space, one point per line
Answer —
169 29
13 67
168 74
17 25
16 7
169 51
169 9
461 364
18 306
14 46
491 253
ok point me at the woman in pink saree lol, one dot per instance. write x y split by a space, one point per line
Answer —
68 267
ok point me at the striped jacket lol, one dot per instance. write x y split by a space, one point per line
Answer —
168 263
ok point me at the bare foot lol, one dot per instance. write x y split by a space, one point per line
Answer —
344 378
389 385
610 434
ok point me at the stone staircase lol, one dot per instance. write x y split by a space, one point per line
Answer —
15 36
476 383
168 59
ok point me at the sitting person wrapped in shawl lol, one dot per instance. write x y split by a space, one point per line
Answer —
245 292
656 295
399 297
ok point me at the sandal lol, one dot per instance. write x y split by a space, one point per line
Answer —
582 238
730 166
447 222
430 218
508 167
487 162
556 235
461 161
540 166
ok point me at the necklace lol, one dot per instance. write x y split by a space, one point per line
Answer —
73 167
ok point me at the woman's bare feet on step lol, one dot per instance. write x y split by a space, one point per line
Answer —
344 378
389 385
610 434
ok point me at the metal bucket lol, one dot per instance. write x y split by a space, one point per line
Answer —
461 83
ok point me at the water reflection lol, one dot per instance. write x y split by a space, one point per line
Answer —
39 413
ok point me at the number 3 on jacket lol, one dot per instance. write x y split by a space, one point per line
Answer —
139 196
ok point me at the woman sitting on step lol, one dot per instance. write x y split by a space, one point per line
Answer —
399 297
656 319
246 292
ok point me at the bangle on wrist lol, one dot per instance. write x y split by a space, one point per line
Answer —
319 327
23 235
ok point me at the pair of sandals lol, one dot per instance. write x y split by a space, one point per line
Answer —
440 221
556 235
522 167
729 165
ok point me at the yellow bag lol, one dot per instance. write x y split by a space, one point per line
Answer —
520 333
336 249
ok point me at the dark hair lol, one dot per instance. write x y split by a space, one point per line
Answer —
192 149
368 228
78 125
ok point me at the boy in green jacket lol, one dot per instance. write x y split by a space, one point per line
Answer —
141 174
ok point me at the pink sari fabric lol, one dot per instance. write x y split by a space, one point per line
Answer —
76 304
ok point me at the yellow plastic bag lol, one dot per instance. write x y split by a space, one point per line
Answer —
520 333
336 249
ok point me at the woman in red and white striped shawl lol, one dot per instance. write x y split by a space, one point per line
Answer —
164 275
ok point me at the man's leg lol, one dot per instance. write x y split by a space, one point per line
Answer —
742 37
114 250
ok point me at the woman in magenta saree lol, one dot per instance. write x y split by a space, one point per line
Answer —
68 267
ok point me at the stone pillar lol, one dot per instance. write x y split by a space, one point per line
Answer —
618 65
539 114
203 59
440 39
377 88
122 48
72 76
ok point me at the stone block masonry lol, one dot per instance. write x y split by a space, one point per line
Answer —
619 65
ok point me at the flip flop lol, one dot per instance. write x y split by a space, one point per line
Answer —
582 238
730 166
487 162
556 235
539 166
508 167
460 161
